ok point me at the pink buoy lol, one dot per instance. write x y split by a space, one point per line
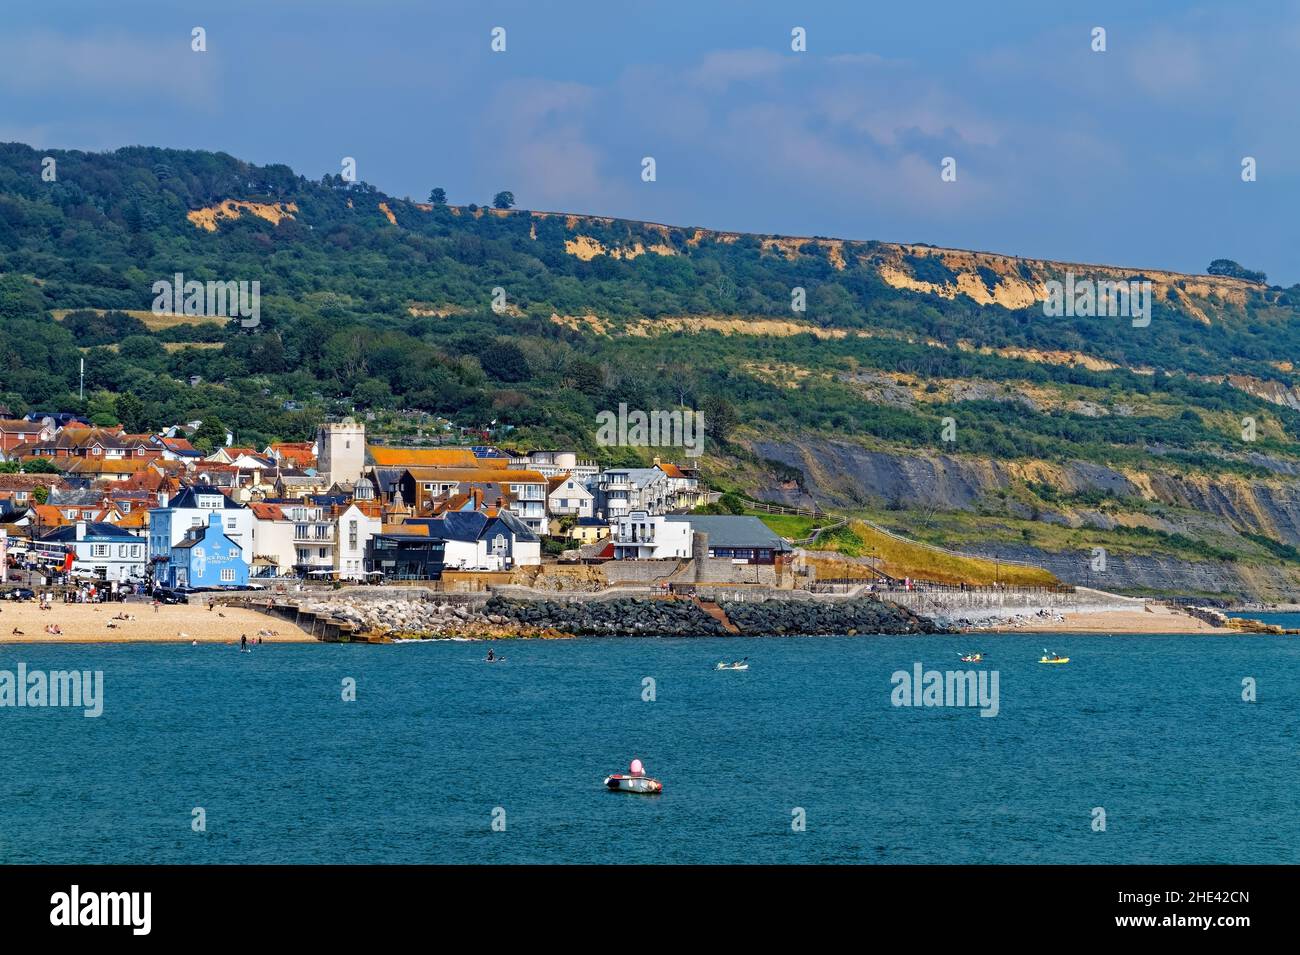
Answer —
636 769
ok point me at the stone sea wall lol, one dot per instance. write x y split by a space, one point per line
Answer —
502 616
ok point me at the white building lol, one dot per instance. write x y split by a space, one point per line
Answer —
353 530
304 539
296 538
102 551
552 464
620 491
643 536
568 496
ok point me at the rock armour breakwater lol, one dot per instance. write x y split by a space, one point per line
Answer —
501 616
634 616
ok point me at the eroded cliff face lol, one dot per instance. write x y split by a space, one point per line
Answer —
844 475
987 278
1163 574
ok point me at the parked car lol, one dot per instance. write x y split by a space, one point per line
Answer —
18 593
162 595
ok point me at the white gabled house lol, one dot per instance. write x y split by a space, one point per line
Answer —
568 496
353 530
640 535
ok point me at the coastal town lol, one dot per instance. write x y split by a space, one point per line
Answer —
97 504
363 539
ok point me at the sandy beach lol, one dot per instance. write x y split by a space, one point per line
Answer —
89 623
1117 621
177 623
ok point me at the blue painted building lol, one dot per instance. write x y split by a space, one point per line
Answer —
206 557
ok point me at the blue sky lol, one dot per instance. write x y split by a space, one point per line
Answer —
1132 156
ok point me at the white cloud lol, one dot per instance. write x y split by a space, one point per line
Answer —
108 66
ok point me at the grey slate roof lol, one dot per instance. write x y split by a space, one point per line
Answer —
733 530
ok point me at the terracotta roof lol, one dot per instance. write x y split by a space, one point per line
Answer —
49 515
136 517
97 466
422 457
411 530
672 470
148 480
13 426
301 453
26 482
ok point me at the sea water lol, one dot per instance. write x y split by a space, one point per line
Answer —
206 755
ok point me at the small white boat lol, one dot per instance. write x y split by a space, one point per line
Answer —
737 665
494 659
634 784
634 781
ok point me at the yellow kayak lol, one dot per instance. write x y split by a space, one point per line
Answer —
1054 660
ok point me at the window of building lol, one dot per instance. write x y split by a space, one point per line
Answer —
227 575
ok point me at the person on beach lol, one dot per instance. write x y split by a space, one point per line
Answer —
243 641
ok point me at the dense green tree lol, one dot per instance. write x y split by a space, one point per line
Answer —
505 361
130 413
1232 269
720 418
209 435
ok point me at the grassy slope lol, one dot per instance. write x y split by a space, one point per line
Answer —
900 558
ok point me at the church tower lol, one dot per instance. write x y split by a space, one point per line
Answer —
341 450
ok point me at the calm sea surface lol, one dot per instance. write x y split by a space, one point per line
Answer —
1151 729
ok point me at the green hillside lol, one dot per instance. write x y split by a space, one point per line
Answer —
1177 437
